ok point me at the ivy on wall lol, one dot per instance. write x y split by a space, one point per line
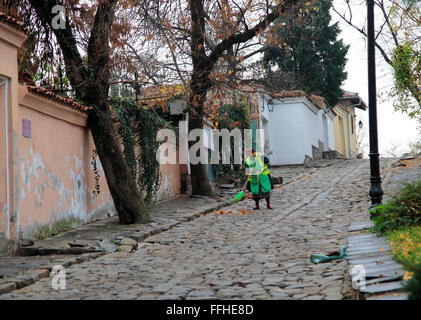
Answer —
137 127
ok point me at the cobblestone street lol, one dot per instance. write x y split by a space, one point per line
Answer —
237 252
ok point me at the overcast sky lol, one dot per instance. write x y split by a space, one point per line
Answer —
395 129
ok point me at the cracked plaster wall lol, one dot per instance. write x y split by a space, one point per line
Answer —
56 180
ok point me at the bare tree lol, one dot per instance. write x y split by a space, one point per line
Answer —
202 44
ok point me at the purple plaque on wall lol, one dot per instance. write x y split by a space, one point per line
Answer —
26 128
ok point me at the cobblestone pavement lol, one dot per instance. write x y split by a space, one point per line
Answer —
237 253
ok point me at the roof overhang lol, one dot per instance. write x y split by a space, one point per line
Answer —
355 100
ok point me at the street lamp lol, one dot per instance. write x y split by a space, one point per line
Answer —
376 191
360 124
270 105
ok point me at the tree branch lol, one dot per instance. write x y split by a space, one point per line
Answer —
383 53
75 69
98 46
249 34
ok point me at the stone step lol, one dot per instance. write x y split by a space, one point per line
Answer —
385 274
373 250
364 245
51 250
362 260
381 271
381 280
365 236
382 287
367 241
380 255
360 226
375 264
396 296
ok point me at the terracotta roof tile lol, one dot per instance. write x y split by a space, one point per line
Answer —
319 101
56 98
14 23
288 94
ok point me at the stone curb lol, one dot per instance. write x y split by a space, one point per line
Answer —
46 251
29 277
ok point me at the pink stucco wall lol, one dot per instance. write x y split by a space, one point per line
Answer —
170 180
55 174
50 170
56 180
10 40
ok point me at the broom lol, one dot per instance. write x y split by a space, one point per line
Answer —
239 196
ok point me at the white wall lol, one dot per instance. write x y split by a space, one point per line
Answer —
287 142
294 126
313 130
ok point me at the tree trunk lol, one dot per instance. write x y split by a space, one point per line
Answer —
128 201
199 176
91 87
199 85
416 93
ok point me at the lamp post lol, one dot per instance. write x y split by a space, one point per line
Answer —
376 191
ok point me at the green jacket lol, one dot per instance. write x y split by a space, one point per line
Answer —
260 176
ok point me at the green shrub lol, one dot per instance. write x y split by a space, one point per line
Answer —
413 287
403 210
406 249
400 218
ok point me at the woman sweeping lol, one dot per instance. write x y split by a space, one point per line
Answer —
259 178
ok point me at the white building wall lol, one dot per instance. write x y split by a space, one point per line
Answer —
286 139
294 126
313 131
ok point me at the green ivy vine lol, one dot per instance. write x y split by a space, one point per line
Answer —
96 172
137 128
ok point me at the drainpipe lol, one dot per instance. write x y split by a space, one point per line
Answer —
349 135
188 154
5 82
